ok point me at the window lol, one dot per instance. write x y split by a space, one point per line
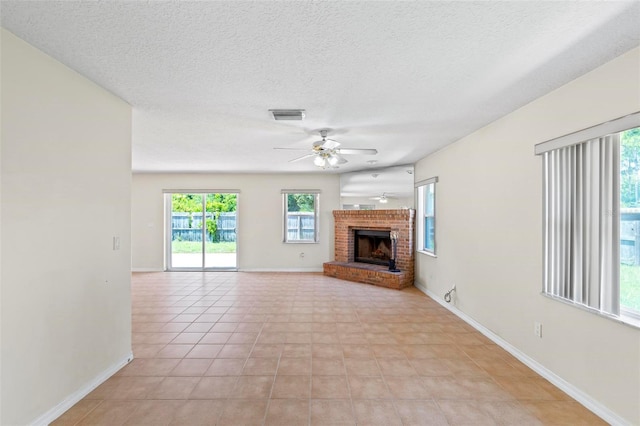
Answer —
630 222
426 226
592 218
300 216
358 207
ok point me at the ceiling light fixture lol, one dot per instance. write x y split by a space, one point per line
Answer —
320 161
287 114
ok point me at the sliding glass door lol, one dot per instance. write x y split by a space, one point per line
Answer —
220 248
201 231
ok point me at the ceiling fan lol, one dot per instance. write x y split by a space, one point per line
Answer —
384 198
327 152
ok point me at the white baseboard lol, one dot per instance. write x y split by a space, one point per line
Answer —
146 270
72 399
595 406
280 270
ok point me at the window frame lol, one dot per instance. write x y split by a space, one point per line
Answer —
422 215
367 207
316 216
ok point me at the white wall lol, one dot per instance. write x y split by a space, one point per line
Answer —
489 237
260 220
66 180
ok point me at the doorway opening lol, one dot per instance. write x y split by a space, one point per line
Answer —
201 231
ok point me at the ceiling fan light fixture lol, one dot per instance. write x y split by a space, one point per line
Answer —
383 200
327 153
287 114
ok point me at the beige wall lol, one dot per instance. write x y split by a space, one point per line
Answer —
66 178
260 220
489 237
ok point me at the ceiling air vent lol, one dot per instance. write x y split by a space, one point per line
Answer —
287 114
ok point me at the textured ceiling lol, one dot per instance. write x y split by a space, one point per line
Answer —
406 78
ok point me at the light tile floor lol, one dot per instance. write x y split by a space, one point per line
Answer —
224 348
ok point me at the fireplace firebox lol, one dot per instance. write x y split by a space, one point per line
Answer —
372 246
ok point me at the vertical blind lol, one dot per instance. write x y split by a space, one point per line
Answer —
581 202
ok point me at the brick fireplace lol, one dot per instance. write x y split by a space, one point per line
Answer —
345 265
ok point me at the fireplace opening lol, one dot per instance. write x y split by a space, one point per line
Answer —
372 247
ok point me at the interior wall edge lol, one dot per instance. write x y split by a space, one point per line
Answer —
55 412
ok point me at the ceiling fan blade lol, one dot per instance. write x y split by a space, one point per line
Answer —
330 144
355 151
341 160
294 149
301 158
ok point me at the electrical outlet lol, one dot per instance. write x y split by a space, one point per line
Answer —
301 255
116 243
537 329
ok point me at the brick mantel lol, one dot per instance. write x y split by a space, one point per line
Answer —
346 221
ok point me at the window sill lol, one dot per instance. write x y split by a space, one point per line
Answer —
627 320
427 253
630 318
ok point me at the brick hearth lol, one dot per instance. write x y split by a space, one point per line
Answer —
344 267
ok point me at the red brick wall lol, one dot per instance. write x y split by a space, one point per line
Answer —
368 274
401 221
